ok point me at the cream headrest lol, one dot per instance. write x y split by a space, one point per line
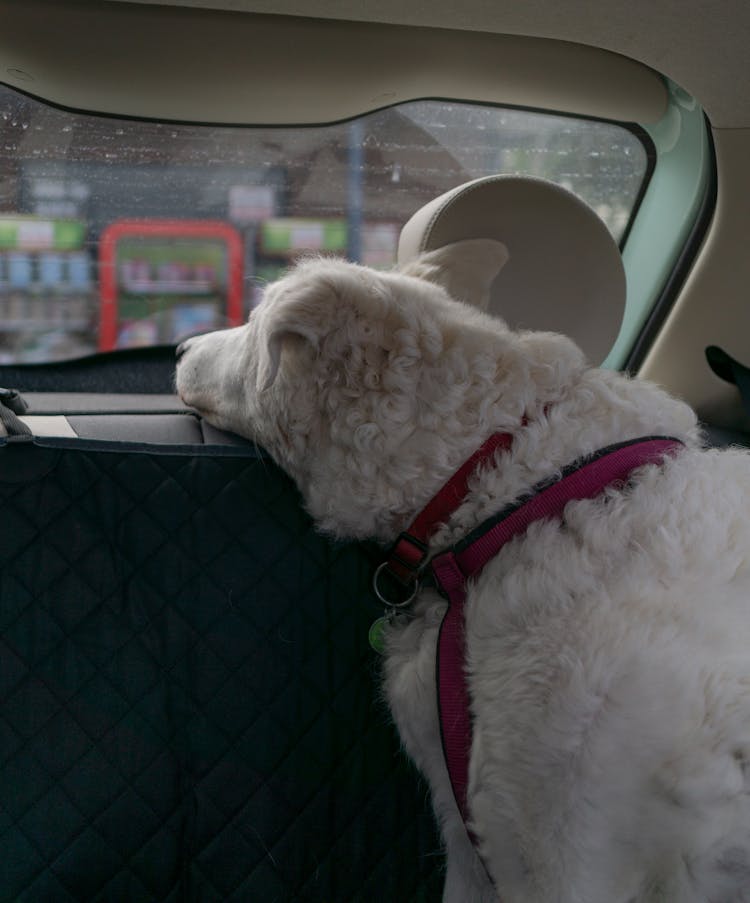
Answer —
564 272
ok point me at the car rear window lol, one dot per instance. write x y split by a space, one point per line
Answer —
118 233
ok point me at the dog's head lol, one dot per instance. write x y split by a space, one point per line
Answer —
367 387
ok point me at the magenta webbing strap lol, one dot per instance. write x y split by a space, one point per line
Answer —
583 482
453 692
453 568
410 550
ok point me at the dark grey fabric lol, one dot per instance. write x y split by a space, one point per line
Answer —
168 429
188 703
102 403
160 419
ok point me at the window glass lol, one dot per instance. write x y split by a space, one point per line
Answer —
122 233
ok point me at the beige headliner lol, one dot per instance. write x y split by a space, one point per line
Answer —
213 66
704 45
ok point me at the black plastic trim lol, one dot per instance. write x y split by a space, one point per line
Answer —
132 371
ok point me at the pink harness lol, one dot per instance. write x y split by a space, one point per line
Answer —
585 479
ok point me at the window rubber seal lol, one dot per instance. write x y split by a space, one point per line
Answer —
684 263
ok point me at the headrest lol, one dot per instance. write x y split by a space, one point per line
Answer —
564 272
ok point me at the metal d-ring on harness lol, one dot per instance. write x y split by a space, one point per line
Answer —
397 580
380 592
452 568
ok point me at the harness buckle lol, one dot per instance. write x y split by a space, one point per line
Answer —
12 399
409 553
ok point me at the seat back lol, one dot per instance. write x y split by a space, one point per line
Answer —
188 702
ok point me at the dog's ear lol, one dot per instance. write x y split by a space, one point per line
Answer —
465 269
270 354
283 328
298 310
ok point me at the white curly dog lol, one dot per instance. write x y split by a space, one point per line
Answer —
607 652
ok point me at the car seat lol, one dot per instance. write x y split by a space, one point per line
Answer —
189 708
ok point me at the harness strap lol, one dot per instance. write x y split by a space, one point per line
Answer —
410 551
584 479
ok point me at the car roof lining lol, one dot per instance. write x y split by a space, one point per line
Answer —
186 64
702 47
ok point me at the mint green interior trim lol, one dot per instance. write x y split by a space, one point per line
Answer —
667 213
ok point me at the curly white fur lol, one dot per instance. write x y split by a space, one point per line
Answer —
608 656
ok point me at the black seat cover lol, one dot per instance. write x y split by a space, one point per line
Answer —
188 704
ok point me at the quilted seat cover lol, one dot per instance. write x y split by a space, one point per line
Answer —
188 704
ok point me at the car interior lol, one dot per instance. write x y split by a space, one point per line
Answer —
189 706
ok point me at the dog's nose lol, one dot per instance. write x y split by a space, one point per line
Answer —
180 350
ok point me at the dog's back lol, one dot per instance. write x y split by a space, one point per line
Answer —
610 662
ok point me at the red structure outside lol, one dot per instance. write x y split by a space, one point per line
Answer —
165 230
